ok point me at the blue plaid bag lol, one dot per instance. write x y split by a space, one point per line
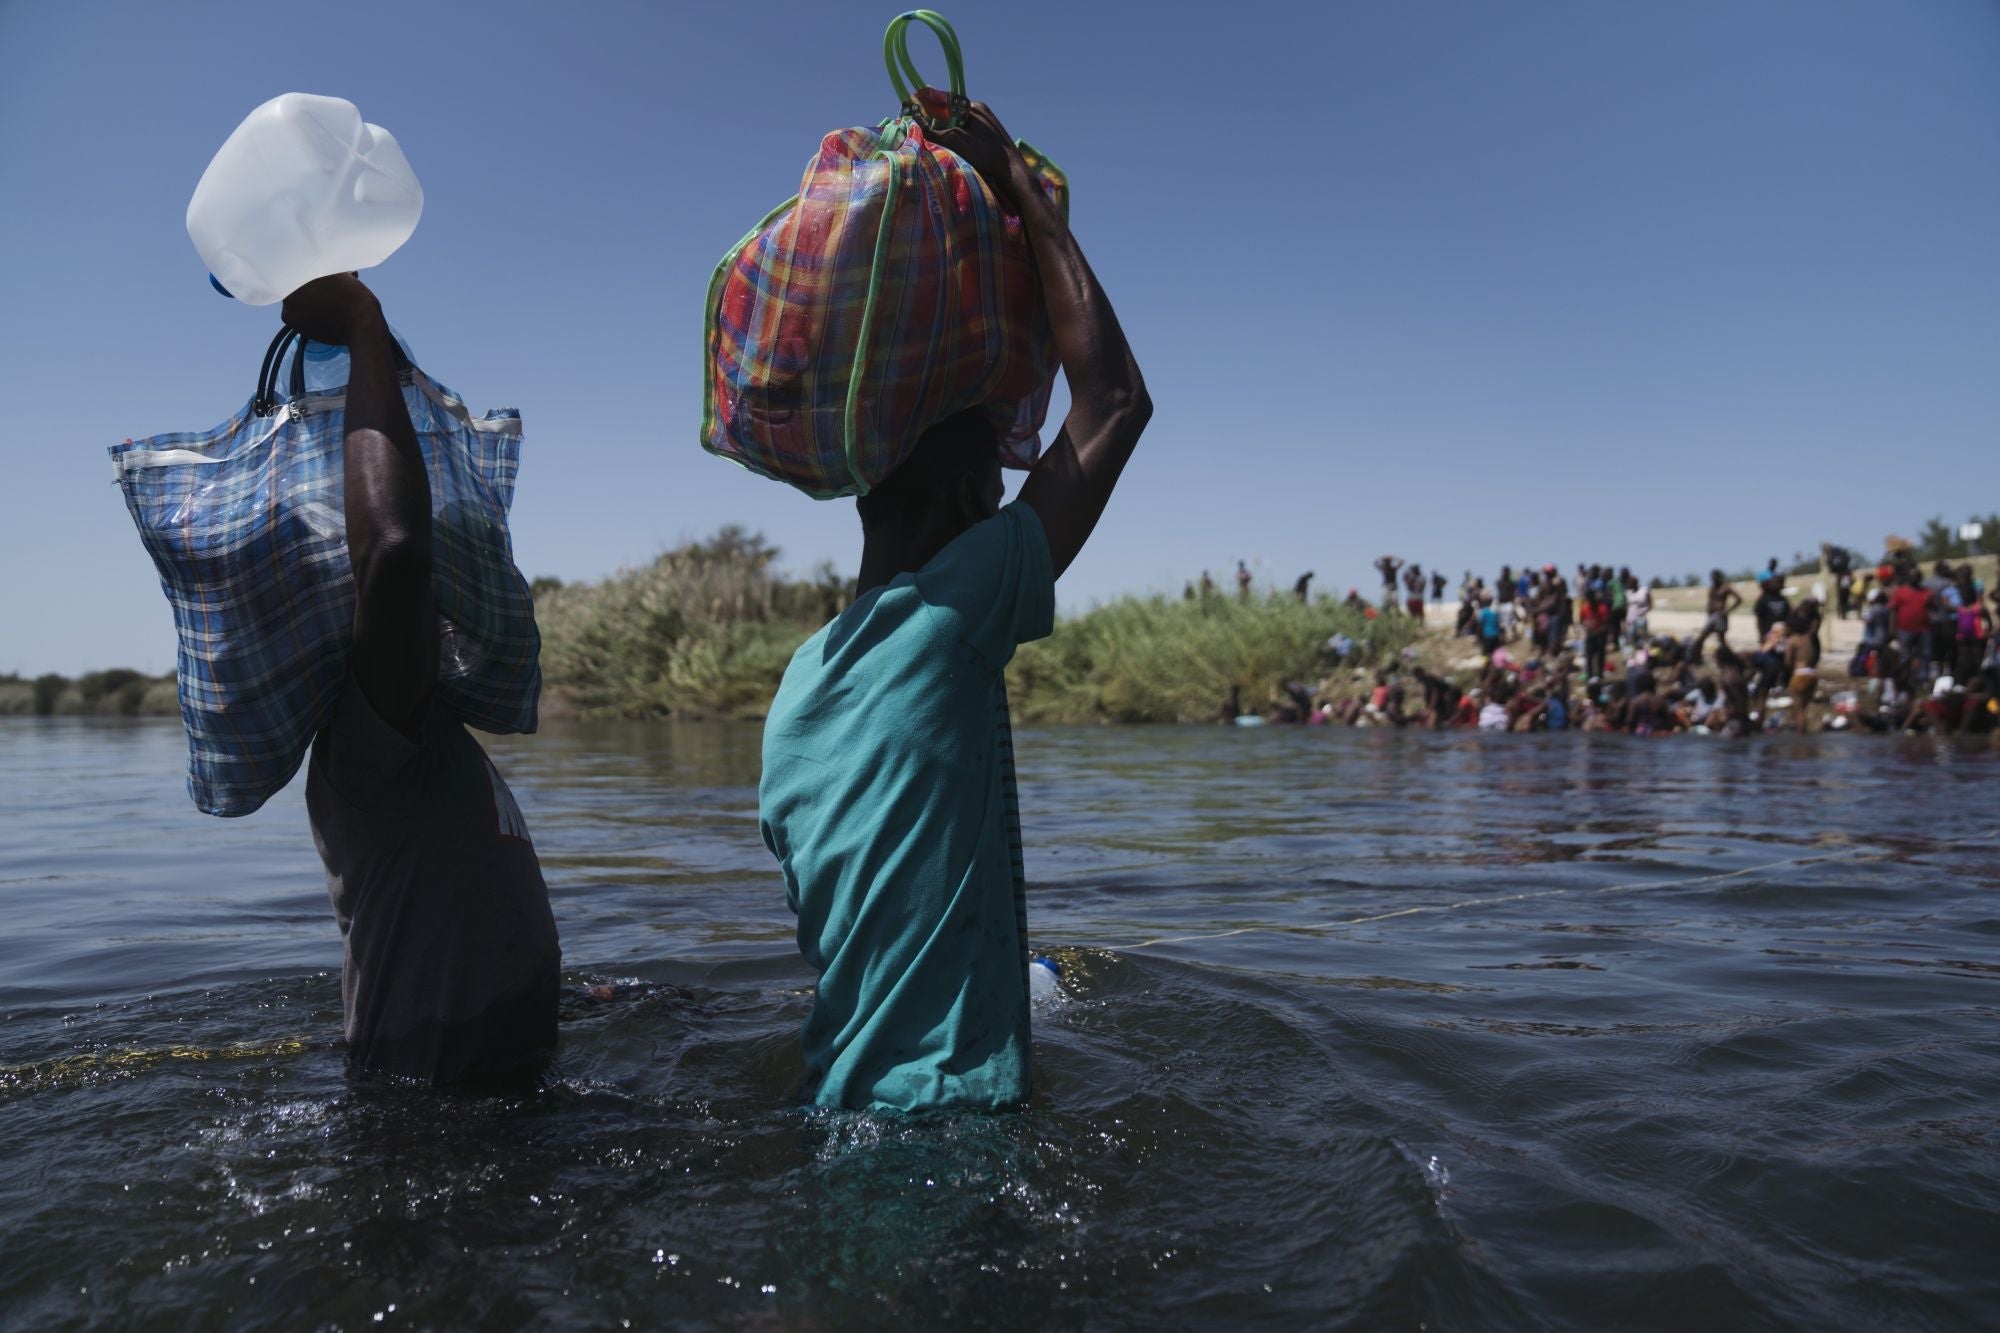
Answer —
246 526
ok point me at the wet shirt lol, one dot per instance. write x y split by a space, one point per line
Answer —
451 963
888 799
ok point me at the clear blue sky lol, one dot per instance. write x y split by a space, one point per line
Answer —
1670 284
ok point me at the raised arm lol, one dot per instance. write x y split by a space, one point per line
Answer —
388 504
1108 403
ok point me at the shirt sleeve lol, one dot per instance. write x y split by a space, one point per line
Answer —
363 757
995 583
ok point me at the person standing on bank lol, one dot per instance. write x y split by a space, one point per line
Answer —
1722 599
452 964
888 789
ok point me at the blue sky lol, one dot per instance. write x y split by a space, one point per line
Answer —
1673 285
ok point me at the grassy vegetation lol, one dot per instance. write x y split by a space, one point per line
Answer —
705 631
702 632
115 693
1159 659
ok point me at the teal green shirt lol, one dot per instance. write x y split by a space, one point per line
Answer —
888 798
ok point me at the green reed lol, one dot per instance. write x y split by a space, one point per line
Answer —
705 631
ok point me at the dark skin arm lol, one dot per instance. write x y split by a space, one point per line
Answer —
1109 407
388 505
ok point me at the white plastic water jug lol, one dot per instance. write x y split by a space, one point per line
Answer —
302 189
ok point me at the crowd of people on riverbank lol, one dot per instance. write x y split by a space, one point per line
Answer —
1556 654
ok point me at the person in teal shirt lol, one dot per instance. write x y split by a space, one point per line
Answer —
888 790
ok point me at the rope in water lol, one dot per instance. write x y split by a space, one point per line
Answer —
1321 927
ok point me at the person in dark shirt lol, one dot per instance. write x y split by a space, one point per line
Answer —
1386 566
452 965
1553 614
1770 607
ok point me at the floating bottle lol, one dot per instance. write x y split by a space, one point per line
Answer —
1044 981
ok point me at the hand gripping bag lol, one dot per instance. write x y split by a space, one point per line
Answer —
893 292
246 526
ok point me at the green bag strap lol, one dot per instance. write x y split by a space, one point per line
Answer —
903 74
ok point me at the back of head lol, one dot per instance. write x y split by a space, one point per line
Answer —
950 480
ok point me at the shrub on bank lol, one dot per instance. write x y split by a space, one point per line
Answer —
119 692
705 631
1160 659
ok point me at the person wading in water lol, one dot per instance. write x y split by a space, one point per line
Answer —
452 965
888 789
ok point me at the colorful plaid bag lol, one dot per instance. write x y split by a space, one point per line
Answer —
891 293
246 526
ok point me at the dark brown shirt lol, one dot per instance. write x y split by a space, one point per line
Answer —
452 963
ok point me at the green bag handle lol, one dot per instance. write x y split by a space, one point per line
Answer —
903 74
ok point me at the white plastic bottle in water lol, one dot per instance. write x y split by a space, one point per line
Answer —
1044 981
302 189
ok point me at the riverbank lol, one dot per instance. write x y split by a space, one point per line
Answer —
119 692
701 635
706 630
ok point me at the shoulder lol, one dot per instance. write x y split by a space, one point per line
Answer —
880 619
1014 536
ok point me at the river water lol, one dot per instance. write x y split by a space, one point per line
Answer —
1364 1030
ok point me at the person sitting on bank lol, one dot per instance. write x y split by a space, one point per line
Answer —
888 791
452 964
